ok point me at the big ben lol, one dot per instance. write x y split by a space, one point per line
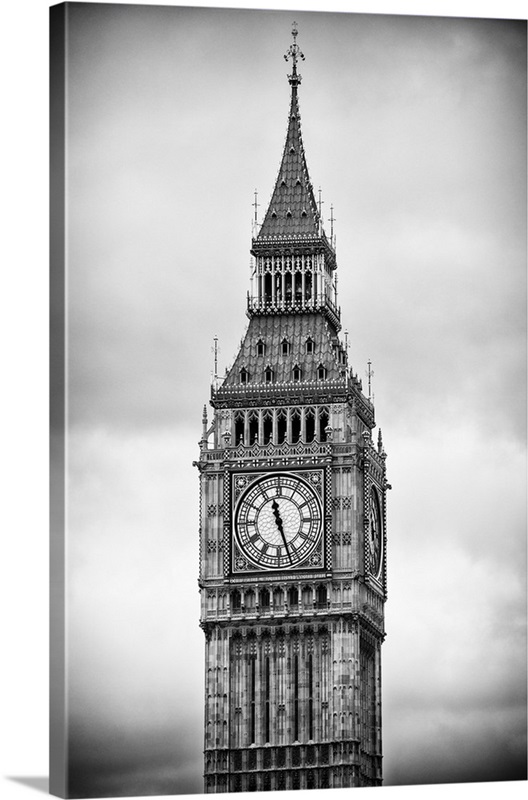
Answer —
292 522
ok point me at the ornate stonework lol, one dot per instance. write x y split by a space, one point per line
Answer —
292 523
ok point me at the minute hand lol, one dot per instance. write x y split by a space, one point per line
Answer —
278 520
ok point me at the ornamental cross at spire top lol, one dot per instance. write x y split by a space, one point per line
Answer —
294 52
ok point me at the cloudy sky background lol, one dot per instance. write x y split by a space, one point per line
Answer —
415 130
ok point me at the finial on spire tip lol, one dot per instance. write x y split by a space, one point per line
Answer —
294 52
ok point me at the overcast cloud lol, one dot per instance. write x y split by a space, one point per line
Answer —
415 128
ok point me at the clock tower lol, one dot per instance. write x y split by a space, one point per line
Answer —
292 522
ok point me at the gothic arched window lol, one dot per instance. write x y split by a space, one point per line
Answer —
264 598
309 423
293 596
268 426
296 425
239 428
307 596
282 426
323 424
297 373
253 427
267 287
288 286
308 285
298 287
321 597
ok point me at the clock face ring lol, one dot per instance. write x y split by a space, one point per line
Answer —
278 521
375 534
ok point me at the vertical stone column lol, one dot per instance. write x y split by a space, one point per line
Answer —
283 283
246 428
303 685
325 690
219 528
379 743
261 427
233 694
224 704
244 694
259 716
281 687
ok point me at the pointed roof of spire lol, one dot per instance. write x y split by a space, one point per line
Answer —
292 210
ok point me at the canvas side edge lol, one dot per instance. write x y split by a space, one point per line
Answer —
58 751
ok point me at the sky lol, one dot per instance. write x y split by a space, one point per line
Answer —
415 130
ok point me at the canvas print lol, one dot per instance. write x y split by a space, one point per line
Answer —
288 390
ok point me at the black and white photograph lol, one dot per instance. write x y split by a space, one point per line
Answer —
288 404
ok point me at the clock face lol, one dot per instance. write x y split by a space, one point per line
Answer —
374 533
278 521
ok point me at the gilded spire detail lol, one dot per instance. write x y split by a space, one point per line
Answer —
294 52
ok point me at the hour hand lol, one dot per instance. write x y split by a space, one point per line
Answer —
278 520
276 514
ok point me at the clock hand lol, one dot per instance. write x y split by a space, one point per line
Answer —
278 520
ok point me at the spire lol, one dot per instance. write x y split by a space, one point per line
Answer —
293 271
294 53
292 210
